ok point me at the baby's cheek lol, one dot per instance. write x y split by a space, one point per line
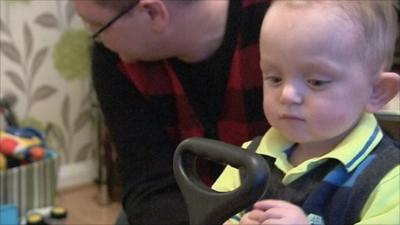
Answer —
268 109
335 122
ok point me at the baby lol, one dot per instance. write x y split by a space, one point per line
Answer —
325 72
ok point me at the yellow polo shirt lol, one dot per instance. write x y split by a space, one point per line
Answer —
383 204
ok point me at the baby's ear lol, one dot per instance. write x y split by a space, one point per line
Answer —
384 89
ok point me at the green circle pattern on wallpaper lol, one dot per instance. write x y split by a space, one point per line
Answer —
33 122
71 54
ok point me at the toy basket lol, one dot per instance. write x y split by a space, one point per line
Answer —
32 185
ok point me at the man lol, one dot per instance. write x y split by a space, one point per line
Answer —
189 68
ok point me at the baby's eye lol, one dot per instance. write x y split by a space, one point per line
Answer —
317 83
273 80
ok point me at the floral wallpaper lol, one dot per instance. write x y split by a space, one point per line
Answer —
44 66
393 107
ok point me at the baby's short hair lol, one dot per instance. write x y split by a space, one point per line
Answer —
378 24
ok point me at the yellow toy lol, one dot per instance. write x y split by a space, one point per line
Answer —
3 162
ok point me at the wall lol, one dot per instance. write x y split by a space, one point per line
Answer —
393 107
44 65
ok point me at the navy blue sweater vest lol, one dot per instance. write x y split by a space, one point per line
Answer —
329 191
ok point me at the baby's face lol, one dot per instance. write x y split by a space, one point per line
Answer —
315 88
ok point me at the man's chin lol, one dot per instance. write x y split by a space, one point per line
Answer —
133 59
127 59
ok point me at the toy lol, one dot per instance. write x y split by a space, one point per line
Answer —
11 144
37 153
52 215
5 109
206 206
23 144
9 214
3 162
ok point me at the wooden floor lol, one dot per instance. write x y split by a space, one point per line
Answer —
84 208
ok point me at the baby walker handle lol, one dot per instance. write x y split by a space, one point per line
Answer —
206 206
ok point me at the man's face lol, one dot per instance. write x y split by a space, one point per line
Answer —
315 88
127 36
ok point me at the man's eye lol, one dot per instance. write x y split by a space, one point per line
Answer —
317 83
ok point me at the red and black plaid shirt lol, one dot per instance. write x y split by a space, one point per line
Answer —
241 117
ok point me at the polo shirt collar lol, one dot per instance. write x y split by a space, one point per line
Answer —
350 151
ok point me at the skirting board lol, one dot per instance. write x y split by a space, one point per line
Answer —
77 174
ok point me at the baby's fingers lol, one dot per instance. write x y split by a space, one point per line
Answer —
252 217
271 203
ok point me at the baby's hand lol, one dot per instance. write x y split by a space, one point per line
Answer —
279 212
253 217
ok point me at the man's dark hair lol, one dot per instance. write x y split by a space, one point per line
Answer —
119 5
115 4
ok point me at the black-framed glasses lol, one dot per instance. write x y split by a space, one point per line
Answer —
96 34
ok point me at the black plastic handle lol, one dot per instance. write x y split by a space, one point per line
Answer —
206 206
